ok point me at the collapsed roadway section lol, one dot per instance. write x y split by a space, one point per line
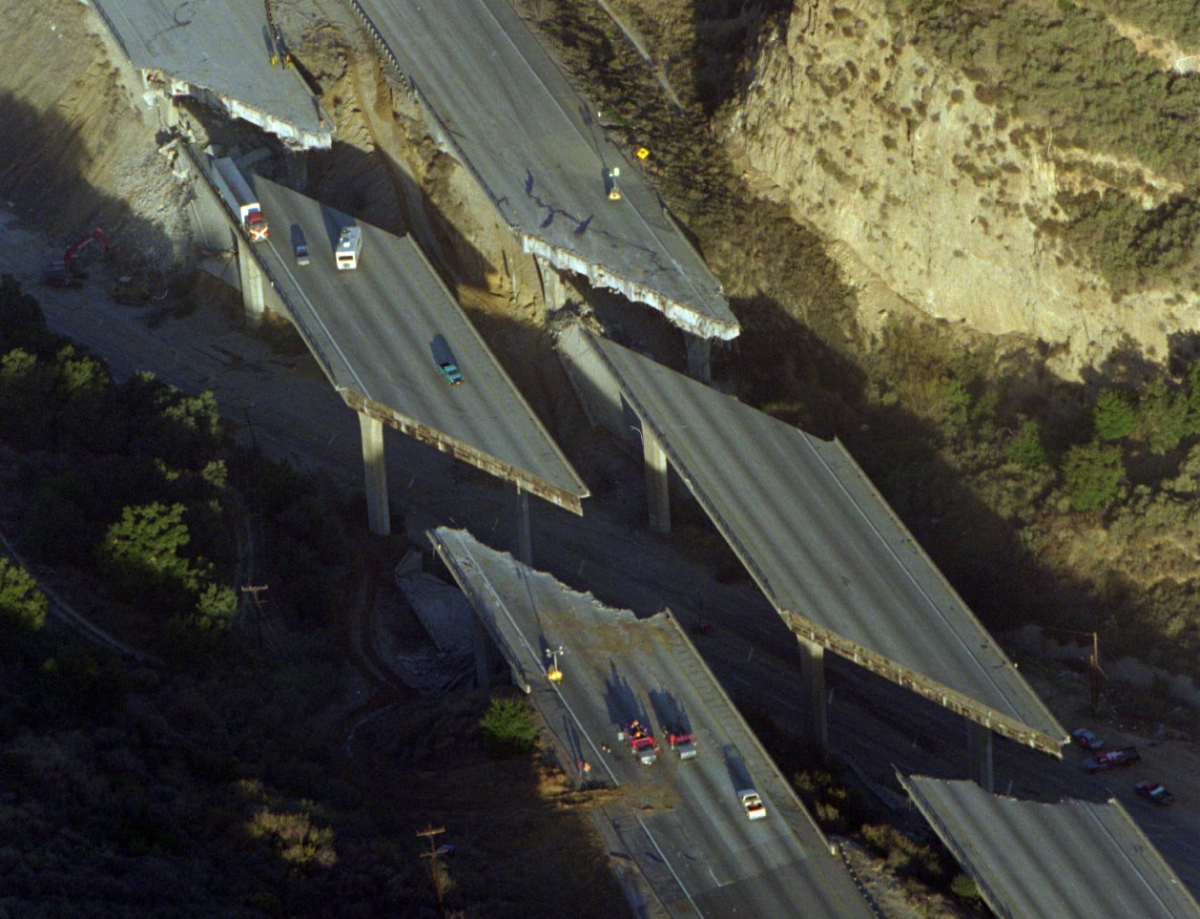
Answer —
391 339
711 823
498 102
227 54
1072 859
818 539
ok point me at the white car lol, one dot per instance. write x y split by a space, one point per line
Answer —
752 802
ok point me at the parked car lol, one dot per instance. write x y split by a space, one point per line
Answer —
451 372
1087 739
1154 791
1108 758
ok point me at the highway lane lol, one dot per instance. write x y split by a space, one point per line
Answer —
508 112
221 46
821 543
286 406
381 331
695 841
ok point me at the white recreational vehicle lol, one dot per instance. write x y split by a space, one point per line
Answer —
349 246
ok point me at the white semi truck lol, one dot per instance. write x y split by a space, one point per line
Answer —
237 194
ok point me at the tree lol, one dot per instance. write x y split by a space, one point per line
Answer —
1162 416
1026 447
508 725
141 551
216 605
1093 475
1114 415
22 604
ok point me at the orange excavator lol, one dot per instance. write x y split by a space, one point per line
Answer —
69 273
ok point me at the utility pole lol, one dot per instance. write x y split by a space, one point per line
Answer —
254 590
429 833
1095 671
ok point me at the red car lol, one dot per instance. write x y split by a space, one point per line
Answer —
1108 758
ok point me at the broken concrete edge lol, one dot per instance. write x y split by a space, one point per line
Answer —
465 452
291 135
991 718
680 314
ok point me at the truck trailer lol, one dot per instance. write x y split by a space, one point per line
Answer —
237 194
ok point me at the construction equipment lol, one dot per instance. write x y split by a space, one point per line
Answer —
237 194
72 258
614 193
641 742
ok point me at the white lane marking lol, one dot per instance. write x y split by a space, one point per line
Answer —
579 724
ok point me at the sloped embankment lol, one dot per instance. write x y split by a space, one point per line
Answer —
974 179
78 149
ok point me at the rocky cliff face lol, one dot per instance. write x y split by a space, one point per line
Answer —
925 185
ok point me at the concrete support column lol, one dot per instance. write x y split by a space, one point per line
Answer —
254 300
699 355
524 529
485 654
979 756
297 169
812 672
658 495
553 289
378 516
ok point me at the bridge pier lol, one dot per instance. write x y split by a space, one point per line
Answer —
486 653
812 673
296 162
524 529
375 471
254 301
699 356
658 495
979 756
554 291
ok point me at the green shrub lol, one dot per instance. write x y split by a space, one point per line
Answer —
1114 415
508 726
140 552
964 888
1093 475
22 604
1026 447
1162 416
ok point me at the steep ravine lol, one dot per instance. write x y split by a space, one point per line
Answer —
931 188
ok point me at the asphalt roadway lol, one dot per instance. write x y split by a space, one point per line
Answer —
683 823
823 544
500 101
287 408
223 46
1027 859
380 331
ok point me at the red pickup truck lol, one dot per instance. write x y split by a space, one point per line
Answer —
1109 758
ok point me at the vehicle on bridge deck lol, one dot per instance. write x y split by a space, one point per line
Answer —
641 742
450 371
349 248
683 744
753 803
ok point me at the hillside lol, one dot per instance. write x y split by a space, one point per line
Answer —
1021 167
